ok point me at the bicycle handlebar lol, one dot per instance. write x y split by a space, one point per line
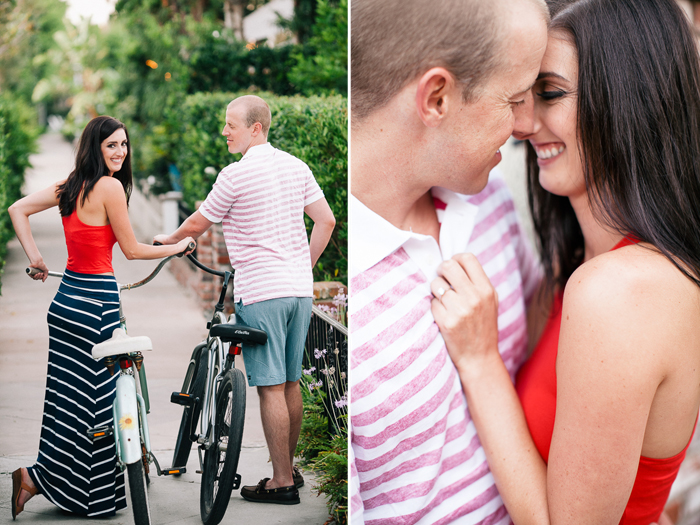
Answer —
149 278
199 265
34 271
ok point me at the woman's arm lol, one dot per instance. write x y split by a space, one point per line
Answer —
19 214
111 192
602 405
609 366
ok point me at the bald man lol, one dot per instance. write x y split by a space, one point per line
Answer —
259 202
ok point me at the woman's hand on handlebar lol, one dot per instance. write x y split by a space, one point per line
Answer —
42 271
185 246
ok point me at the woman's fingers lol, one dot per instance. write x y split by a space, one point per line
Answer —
465 307
439 287
454 273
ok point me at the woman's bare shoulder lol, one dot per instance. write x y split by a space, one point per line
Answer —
106 183
108 188
632 270
635 289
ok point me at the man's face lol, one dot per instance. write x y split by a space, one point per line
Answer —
505 103
238 135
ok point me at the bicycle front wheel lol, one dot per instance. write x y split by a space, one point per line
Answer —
221 460
195 379
139 494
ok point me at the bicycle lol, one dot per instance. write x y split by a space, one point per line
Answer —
131 404
213 395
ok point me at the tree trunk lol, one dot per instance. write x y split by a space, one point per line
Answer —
233 17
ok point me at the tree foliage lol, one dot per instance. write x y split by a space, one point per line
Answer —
27 29
322 64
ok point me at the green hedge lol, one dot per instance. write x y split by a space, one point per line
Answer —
313 129
18 135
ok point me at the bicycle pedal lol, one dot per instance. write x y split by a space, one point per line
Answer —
180 398
236 481
99 433
171 471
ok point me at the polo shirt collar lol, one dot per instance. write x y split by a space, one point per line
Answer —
372 238
260 149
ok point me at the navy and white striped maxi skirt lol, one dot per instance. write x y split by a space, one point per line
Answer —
71 471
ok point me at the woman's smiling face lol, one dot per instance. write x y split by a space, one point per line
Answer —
554 135
114 150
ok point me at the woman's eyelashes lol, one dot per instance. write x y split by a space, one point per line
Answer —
551 94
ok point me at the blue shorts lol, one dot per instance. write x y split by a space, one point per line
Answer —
286 321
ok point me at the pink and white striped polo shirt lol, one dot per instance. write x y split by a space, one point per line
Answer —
415 456
261 201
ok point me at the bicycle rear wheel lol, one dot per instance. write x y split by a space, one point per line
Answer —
194 383
139 494
221 460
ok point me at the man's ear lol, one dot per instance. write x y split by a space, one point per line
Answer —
257 129
435 91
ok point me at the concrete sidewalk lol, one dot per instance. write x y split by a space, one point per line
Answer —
171 317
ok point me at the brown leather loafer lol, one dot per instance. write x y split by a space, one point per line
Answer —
282 495
297 477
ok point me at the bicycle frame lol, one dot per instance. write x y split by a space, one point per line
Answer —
214 396
215 371
216 367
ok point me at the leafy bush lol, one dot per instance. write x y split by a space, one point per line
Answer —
222 63
313 129
17 141
323 447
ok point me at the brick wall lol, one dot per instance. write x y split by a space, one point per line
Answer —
211 251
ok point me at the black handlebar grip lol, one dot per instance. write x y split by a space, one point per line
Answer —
32 271
191 246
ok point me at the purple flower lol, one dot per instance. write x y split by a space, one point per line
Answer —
343 401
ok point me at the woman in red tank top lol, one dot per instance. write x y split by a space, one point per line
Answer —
73 473
607 404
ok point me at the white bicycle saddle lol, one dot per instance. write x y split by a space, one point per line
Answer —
120 343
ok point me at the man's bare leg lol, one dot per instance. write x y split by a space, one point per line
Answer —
276 426
295 406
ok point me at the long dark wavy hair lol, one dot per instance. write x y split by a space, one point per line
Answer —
638 130
90 165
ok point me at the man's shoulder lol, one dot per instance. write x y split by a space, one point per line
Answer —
286 157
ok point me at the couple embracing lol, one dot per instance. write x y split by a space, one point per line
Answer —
453 418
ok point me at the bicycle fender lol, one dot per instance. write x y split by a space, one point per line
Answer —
127 419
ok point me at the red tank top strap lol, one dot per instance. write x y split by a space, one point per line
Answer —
626 241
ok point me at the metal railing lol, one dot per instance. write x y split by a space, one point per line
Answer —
327 350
